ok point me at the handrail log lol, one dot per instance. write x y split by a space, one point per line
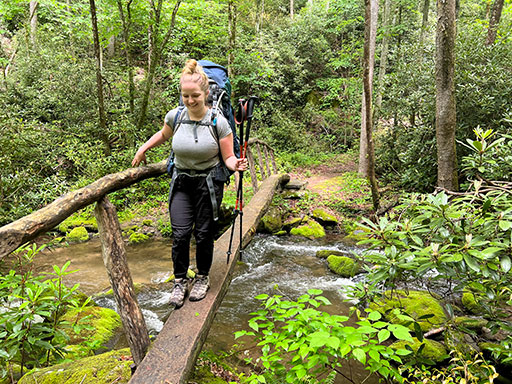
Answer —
29 227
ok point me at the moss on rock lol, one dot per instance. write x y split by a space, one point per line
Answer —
472 323
292 223
74 222
324 218
416 304
469 302
78 234
310 230
137 237
325 253
342 265
272 222
98 326
110 367
147 222
433 350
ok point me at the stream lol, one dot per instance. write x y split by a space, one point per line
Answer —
286 262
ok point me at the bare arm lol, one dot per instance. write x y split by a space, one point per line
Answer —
231 161
158 138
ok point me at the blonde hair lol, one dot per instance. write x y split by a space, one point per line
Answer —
194 72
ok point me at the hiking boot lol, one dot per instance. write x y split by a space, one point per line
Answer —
179 292
200 286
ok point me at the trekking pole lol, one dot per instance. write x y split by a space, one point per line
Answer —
249 107
239 119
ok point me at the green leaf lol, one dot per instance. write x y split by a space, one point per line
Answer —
359 355
471 263
400 332
505 225
383 335
505 264
374 316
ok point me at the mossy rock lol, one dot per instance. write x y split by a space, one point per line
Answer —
324 218
469 302
433 350
293 222
147 222
310 230
473 323
78 234
342 265
271 222
416 304
137 237
281 233
358 234
325 253
100 324
110 367
74 222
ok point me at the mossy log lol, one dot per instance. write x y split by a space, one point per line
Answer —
29 227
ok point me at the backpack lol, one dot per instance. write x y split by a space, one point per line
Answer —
219 98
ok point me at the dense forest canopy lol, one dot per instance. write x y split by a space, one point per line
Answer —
303 59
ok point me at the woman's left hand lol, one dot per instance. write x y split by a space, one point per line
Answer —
241 165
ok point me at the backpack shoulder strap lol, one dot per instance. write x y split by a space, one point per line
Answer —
181 108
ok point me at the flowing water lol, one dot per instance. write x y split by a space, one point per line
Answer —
288 263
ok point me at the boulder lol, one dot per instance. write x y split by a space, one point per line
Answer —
110 367
325 253
272 222
415 304
343 266
310 230
78 234
433 350
324 218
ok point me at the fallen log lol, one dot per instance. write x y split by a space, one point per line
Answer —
27 228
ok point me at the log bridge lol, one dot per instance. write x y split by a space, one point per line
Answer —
171 357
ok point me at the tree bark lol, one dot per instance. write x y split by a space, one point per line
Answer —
494 21
445 96
27 228
292 6
103 131
369 25
259 15
126 21
155 54
232 36
372 37
424 21
114 258
386 24
33 23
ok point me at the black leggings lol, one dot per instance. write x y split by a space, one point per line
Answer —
191 212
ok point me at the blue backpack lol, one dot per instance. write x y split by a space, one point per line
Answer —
219 98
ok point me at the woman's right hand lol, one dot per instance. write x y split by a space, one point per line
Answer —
140 157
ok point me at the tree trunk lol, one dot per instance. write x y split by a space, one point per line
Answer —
292 6
33 23
103 135
386 24
116 263
424 22
155 54
494 21
259 16
445 96
372 37
126 21
232 36
371 12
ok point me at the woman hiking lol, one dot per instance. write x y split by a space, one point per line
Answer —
195 193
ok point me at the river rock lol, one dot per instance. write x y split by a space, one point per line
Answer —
292 222
415 304
110 367
272 222
343 266
78 234
310 230
325 253
98 325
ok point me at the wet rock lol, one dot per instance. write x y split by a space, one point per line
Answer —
295 184
325 253
415 304
310 230
137 237
343 266
111 367
469 302
292 223
433 350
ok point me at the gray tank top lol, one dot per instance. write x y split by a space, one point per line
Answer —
194 144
